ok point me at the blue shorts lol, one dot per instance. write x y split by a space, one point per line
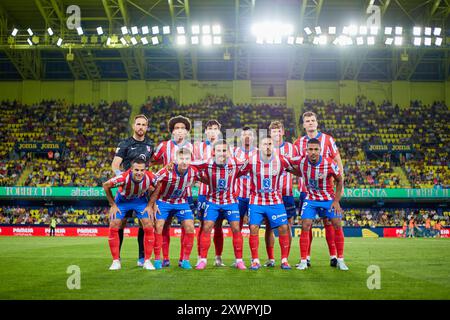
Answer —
313 208
201 205
137 204
243 206
213 212
275 213
289 205
181 211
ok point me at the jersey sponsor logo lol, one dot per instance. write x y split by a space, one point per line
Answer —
222 185
266 183
274 217
176 193
312 183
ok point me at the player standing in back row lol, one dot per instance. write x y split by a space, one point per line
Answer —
328 150
136 146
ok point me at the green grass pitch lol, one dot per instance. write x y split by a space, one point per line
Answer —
35 268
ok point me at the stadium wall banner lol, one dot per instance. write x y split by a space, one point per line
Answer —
97 193
390 147
37 146
102 231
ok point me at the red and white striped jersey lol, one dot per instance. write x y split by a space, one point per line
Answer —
327 145
130 189
319 177
166 151
265 178
288 150
202 152
243 184
174 187
221 179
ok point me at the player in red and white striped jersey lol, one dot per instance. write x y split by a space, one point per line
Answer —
203 152
243 185
328 149
172 185
179 127
134 187
220 173
284 148
265 169
320 173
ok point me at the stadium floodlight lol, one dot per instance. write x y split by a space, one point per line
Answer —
29 42
145 30
352 30
269 39
359 41
417 41
155 30
318 30
371 41
195 40
438 41
388 31
133 41
206 40
389 41
124 42
307 30
299 40
99 31
398 31
437 31
124 30
144 41
206 29
155 40
80 31
181 40
417 31
348 41
216 29
30 32
363 30
180 30
316 41
14 32
218 40
50 31
323 40
134 30
108 41
166 30
398 41
59 42
336 41
290 40
331 30
277 39
427 41
195 29
345 30
374 30
427 31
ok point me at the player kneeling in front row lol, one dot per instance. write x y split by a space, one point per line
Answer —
134 186
172 184
220 174
319 173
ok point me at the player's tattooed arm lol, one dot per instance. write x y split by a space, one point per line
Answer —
339 187
107 186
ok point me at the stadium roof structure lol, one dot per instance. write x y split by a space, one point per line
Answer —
237 56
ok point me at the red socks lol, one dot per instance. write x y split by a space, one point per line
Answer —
254 245
188 243
183 233
269 238
199 235
157 247
205 242
284 245
166 242
218 240
238 243
113 241
330 236
339 241
304 244
149 240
